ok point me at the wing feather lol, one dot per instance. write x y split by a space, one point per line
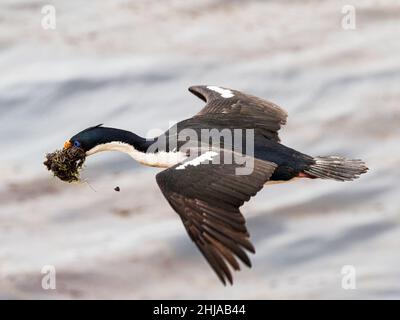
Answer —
224 105
207 197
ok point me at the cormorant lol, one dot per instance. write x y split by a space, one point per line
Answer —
203 184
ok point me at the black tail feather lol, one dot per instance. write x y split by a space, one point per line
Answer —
336 168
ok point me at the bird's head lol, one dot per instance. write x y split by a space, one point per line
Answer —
98 138
88 139
66 163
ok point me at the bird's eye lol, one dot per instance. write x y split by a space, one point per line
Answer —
77 144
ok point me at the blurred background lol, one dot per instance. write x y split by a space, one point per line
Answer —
128 64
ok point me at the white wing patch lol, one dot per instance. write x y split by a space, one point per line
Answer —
196 161
225 93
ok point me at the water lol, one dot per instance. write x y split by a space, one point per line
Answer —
128 65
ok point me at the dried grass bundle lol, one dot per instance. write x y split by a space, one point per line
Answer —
66 164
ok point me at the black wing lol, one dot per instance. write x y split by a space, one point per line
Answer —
207 197
245 111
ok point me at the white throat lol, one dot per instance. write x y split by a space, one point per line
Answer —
160 159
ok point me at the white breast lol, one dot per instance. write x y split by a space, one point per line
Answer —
160 159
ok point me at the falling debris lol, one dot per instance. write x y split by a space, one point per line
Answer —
66 164
117 189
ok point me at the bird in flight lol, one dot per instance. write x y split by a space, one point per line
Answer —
205 190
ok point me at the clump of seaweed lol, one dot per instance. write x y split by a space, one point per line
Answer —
66 164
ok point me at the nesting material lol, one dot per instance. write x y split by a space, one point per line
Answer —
66 164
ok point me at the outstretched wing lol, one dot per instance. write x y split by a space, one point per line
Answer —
207 197
228 104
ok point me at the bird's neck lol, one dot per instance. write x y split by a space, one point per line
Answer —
136 147
111 139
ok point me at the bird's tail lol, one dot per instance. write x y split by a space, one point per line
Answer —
336 168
